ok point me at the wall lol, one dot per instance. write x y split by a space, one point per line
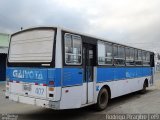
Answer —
4 43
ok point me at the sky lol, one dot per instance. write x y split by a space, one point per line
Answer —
131 22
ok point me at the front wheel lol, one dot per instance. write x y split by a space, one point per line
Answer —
102 100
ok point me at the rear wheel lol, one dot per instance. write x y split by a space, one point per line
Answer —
144 88
102 100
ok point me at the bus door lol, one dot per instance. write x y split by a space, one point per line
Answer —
89 60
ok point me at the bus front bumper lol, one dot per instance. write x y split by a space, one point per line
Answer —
35 101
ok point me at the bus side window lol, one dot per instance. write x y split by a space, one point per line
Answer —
129 56
135 55
105 53
138 57
73 49
119 55
146 58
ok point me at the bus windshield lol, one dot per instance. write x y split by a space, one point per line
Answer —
31 46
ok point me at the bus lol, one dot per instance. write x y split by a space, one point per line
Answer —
57 68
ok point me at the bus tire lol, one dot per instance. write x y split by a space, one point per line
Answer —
102 99
143 91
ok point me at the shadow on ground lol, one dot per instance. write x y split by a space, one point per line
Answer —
86 113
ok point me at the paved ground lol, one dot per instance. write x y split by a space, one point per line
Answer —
132 103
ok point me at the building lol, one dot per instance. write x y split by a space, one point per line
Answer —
4 43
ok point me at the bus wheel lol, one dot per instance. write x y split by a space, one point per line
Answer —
144 88
102 100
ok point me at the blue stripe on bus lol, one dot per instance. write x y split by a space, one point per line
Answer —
55 75
35 75
73 76
109 74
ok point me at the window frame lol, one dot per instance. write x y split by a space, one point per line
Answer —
135 54
145 60
38 64
124 54
149 57
133 60
140 51
139 60
114 58
73 64
111 58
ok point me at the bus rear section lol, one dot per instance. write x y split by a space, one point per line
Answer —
31 75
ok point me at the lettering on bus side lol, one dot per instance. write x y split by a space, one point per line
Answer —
27 74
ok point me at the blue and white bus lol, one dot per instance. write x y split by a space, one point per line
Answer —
57 68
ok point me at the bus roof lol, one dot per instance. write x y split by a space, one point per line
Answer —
79 33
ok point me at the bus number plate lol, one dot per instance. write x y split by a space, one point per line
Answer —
27 87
